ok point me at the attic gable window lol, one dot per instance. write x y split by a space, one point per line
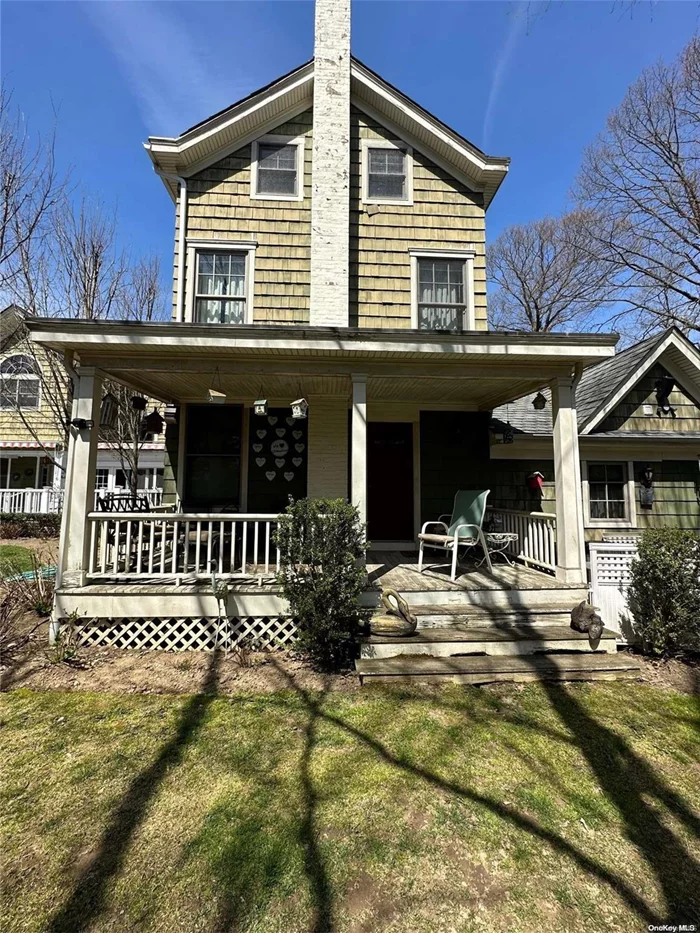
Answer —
277 169
19 382
387 172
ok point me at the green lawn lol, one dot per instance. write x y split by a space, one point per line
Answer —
545 808
14 559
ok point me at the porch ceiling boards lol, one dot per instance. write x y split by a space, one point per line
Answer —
176 362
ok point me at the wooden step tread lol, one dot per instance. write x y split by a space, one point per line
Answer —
485 633
489 668
478 612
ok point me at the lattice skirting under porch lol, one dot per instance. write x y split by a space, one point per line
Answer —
203 634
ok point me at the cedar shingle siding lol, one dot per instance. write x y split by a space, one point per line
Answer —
445 214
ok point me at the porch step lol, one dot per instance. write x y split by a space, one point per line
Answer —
483 670
505 638
441 616
499 600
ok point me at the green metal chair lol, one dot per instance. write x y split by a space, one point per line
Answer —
464 530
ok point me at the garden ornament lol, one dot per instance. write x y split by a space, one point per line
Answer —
397 619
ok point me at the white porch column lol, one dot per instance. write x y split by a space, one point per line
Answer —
570 567
359 444
80 479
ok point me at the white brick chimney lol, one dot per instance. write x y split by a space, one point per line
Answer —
330 200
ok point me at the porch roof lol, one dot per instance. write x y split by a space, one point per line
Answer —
177 361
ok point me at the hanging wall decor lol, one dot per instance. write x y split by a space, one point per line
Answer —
299 409
260 406
108 411
215 395
276 469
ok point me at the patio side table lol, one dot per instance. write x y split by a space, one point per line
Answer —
498 542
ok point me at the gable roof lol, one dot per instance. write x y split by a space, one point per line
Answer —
260 112
10 319
603 386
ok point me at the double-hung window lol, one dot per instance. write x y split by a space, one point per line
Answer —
277 169
441 294
220 287
387 170
607 491
19 382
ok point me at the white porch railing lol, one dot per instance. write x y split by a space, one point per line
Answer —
158 545
536 531
154 495
43 500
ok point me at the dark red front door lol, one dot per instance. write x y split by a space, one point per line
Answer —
390 481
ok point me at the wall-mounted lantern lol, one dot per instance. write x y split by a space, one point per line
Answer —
539 402
300 408
646 493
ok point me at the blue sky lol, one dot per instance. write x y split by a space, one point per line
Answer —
523 79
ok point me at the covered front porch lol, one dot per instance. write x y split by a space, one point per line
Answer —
397 422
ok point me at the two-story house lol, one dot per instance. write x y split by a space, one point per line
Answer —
329 338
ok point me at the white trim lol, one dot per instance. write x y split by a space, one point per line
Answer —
233 246
469 317
365 146
671 339
300 143
25 376
630 520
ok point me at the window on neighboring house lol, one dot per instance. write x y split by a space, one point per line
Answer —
606 490
220 288
19 382
441 294
101 478
277 168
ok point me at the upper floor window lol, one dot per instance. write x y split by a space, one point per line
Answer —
19 382
220 288
387 170
277 168
441 288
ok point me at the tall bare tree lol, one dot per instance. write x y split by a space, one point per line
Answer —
30 188
547 275
642 177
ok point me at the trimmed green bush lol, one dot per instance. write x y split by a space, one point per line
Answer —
30 525
664 594
321 542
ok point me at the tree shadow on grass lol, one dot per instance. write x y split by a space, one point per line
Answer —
622 774
87 899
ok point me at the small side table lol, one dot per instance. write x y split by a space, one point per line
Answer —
498 542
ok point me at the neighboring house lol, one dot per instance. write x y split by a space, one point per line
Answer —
32 440
639 441
329 339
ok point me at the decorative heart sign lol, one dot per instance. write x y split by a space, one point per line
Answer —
261 434
298 448
272 419
280 432
279 448
296 461
289 477
279 462
257 448
297 434
261 461
290 421
271 474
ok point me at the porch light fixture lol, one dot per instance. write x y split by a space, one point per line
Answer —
299 408
539 402
260 406
82 424
153 423
108 411
138 403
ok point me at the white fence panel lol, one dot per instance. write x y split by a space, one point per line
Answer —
536 531
610 579
47 499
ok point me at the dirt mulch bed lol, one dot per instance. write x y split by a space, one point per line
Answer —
114 670
671 674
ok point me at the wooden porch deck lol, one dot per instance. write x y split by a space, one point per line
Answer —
399 570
